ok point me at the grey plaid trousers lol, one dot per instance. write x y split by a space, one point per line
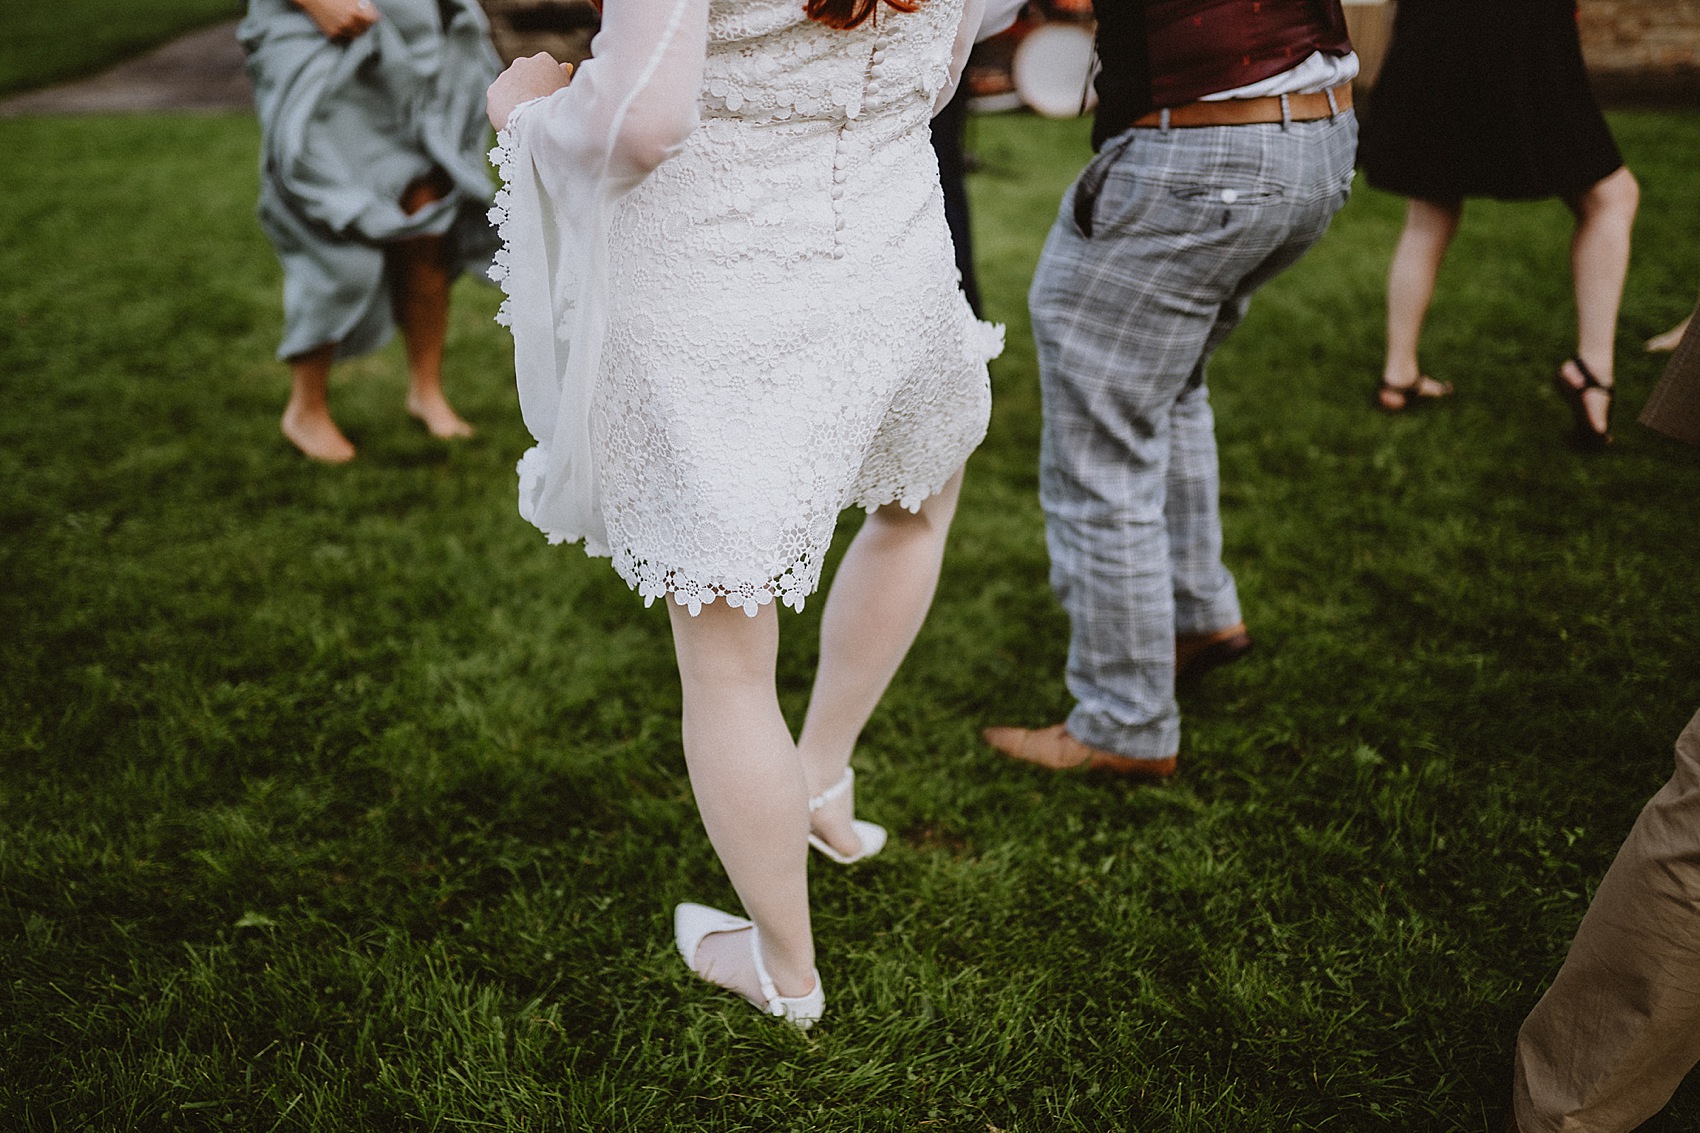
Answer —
1152 261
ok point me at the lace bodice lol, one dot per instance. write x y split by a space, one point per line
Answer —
767 61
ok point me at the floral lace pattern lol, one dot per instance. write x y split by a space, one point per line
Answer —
506 164
784 335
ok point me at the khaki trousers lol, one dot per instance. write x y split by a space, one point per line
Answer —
1674 408
1613 1037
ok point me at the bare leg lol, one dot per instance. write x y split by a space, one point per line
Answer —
1428 232
749 789
421 280
878 601
307 418
1599 260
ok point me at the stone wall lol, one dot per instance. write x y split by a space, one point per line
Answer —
1657 36
1643 50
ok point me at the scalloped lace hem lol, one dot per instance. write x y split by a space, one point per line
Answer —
984 341
791 586
532 468
505 158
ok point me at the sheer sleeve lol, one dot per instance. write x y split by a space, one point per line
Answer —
634 101
967 31
565 161
998 17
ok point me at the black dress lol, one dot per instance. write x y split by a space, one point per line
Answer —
1485 98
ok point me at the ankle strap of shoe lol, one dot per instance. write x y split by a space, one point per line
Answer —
769 993
834 791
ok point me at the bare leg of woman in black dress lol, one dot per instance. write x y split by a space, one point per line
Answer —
1599 260
1429 228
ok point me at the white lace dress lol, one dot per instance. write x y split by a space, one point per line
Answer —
763 330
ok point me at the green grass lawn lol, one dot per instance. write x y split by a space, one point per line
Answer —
46 42
334 799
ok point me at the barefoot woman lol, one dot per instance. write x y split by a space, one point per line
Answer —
735 314
373 187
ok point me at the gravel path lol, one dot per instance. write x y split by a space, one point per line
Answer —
201 71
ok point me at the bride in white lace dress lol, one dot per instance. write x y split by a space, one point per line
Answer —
735 314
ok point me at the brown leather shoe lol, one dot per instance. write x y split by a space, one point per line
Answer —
1198 653
1053 747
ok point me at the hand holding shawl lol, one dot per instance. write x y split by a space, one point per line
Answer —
565 160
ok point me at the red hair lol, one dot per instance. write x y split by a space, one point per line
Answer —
846 14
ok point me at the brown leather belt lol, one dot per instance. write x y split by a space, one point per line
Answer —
1251 111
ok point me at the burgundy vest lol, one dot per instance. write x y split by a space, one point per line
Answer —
1159 53
1199 47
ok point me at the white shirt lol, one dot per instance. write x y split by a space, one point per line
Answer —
1318 73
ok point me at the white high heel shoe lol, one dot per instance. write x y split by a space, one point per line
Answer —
872 834
692 922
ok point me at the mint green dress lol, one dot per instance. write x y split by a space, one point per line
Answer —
346 128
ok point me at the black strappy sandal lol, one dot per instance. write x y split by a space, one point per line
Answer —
1589 438
1411 396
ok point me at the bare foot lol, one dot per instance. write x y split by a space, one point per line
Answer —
724 958
316 435
438 416
1668 340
